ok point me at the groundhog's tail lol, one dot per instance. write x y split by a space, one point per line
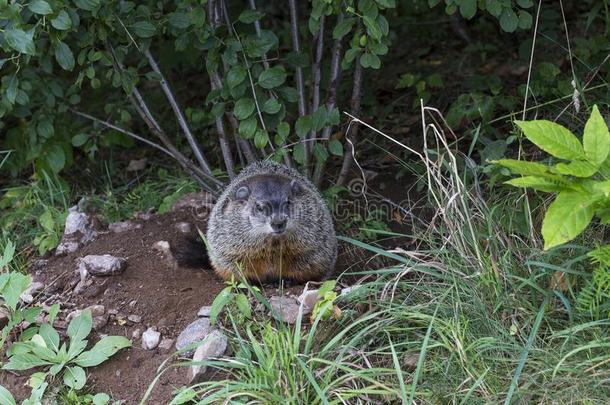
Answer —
191 252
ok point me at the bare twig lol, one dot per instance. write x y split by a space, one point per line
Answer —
331 97
352 134
121 130
245 146
222 139
294 30
179 116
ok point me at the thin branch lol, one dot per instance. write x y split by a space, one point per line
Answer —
294 30
352 134
316 73
331 97
246 148
179 116
122 130
257 29
224 143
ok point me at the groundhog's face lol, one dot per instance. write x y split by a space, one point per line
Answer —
268 204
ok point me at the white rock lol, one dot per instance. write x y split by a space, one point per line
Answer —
78 230
166 344
194 332
213 346
136 333
96 310
308 298
204 312
134 318
28 295
162 247
150 339
285 309
184 227
102 265
66 247
123 226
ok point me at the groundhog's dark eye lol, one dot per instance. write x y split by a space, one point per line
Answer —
260 208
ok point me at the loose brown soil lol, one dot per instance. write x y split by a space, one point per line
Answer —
165 295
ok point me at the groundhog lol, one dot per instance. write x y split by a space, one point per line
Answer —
270 223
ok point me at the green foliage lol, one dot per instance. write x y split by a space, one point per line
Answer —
593 299
582 189
44 349
233 297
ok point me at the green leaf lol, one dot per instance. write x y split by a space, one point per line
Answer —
577 168
261 138
525 3
144 29
318 119
179 20
55 157
369 60
494 7
271 78
283 129
62 21
219 303
372 28
567 217
320 152
303 126
298 153
596 138
64 56
109 345
243 305
538 183
335 147
74 377
244 107
468 8
218 109
236 76
50 336
6 397
80 327
40 7
509 20
343 28
24 361
525 20
20 40
79 139
553 139
247 127
524 167
14 285
249 16
88 5
12 89
100 399
272 106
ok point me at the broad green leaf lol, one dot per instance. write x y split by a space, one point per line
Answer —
144 29
320 152
244 107
247 127
596 138
75 377
20 40
76 348
53 311
261 138
218 109
468 8
80 139
335 147
303 126
553 139
283 129
50 336
62 21
236 75
36 379
577 168
298 153
538 183
179 20
40 7
369 60
100 399
12 89
494 7
90 359
249 16
372 28
24 361
272 78
15 284
524 167
567 217
88 5
326 287
343 28
80 327
64 56
318 119
525 20
243 305
7 256
272 106
6 397
55 157
219 303
509 20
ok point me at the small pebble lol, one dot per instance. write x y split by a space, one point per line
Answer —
134 318
204 312
150 339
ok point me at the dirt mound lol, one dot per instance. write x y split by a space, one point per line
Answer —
164 295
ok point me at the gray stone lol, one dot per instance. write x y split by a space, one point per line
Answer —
204 312
285 309
194 332
135 335
78 230
162 247
134 318
96 310
99 322
150 339
166 344
308 298
123 226
102 265
28 295
213 346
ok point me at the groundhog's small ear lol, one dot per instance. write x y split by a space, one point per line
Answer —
295 188
242 193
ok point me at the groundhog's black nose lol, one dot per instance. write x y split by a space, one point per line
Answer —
278 225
